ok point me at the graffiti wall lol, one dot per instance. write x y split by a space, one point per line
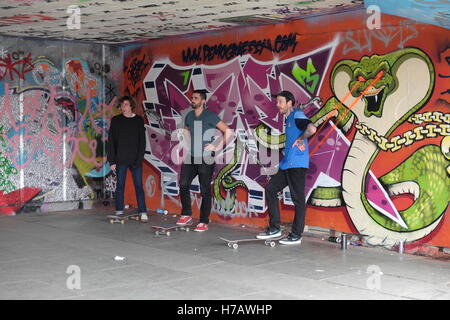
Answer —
380 161
56 101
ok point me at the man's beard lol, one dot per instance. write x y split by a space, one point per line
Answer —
195 106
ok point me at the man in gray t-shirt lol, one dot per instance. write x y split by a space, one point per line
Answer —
200 127
201 130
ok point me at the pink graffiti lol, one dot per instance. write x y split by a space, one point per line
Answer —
51 141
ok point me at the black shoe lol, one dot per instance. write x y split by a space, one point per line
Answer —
291 239
269 233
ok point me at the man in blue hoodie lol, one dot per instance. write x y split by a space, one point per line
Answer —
292 170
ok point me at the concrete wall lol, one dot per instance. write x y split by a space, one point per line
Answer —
56 101
380 162
380 98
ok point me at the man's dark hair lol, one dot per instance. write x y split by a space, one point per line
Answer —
129 99
202 93
287 95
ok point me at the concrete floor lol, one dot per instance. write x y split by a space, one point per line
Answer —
36 251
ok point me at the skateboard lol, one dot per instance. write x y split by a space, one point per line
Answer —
121 219
234 243
165 229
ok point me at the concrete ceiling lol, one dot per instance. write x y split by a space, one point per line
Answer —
121 21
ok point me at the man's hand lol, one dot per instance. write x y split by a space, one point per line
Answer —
113 167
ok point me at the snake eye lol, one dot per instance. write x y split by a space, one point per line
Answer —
361 79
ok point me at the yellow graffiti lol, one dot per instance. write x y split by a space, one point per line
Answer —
409 137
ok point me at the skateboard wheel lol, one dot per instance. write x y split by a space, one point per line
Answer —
168 233
157 233
272 244
187 229
122 221
111 221
229 244
235 246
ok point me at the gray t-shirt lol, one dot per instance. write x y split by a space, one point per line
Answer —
202 130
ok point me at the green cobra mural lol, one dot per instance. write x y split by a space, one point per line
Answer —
226 182
386 92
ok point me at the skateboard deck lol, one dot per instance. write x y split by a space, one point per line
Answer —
122 218
234 243
166 228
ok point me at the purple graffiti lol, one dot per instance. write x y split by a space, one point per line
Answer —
241 93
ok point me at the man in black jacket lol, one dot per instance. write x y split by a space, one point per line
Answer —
126 149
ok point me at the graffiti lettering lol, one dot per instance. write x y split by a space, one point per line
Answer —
361 40
110 92
48 140
101 69
309 75
19 67
287 10
135 69
250 114
229 51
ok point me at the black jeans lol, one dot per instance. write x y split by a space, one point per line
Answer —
295 179
188 173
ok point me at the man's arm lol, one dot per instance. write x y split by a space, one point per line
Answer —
227 134
309 131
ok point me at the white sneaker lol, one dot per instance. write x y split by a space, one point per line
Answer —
144 217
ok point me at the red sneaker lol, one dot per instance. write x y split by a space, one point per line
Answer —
201 227
184 220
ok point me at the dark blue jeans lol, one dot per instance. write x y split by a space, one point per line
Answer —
136 173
